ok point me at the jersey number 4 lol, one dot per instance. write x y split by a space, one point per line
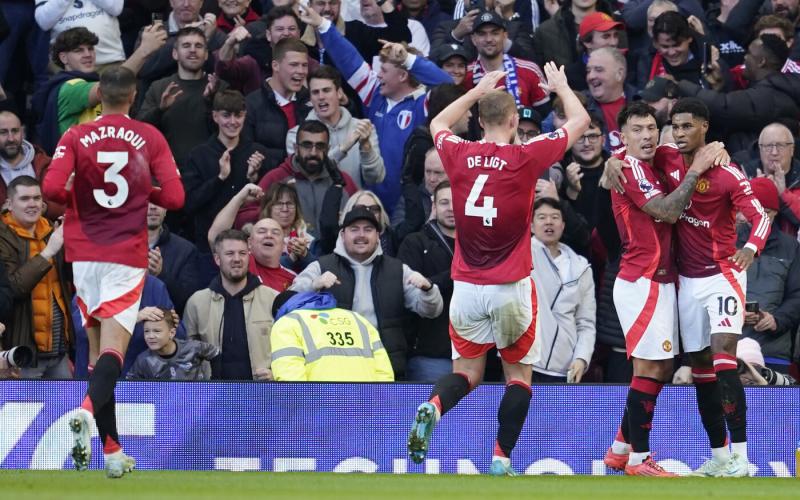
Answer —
487 211
118 161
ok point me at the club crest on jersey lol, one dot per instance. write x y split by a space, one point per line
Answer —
404 119
703 185
667 346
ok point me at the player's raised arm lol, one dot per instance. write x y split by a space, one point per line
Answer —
760 223
577 118
452 113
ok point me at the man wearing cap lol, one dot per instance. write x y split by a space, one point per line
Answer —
530 124
556 39
598 29
364 280
313 340
522 79
453 59
661 94
773 283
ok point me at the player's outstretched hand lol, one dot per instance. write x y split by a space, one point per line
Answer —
417 280
488 83
612 177
326 280
556 79
706 156
743 258
308 15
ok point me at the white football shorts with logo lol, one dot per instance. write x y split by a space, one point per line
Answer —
482 316
714 304
648 315
108 290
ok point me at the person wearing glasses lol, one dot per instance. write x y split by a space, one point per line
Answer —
583 167
776 161
313 173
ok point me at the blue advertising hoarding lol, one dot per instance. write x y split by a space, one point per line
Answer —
363 427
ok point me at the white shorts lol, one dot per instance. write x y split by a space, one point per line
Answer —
714 304
482 316
108 290
648 314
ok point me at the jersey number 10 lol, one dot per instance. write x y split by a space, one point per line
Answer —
118 161
487 211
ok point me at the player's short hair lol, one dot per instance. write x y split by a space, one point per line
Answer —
288 45
275 192
442 96
229 234
168 318
550 202
69 40
325 72
496 107
442 185
773 21
693 106
117 85
231 101
190 31
22 180
639 109
313 127
280 12
673 25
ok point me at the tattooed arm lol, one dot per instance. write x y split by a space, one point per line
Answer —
669 208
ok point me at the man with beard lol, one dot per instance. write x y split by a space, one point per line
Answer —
644 291
218 169
171 259
364 280
19 157
489 35
180 104
583 170
313 173
431 252
265 242
233 314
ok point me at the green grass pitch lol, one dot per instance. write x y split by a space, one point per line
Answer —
220 485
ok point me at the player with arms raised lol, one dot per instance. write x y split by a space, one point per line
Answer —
644 291
494 300
103 171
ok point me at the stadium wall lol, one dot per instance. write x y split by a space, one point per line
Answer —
363 427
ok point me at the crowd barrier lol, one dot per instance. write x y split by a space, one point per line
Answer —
363 427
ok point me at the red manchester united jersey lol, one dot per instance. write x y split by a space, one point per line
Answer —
113 159
528 77
646 242
492 200
277 278
707 226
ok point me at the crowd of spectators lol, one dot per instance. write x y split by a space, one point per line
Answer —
318 230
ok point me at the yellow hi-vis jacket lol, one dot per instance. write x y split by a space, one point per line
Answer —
329 345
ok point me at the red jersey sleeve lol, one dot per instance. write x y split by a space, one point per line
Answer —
448 145
59 170
642 185
162 165
742 197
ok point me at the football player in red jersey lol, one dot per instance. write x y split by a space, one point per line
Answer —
103 171
644 291
494 300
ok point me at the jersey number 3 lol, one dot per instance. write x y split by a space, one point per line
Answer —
118 161
487 211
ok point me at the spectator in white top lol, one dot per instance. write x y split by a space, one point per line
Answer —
98 16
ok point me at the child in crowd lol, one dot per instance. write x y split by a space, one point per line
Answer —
169 358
